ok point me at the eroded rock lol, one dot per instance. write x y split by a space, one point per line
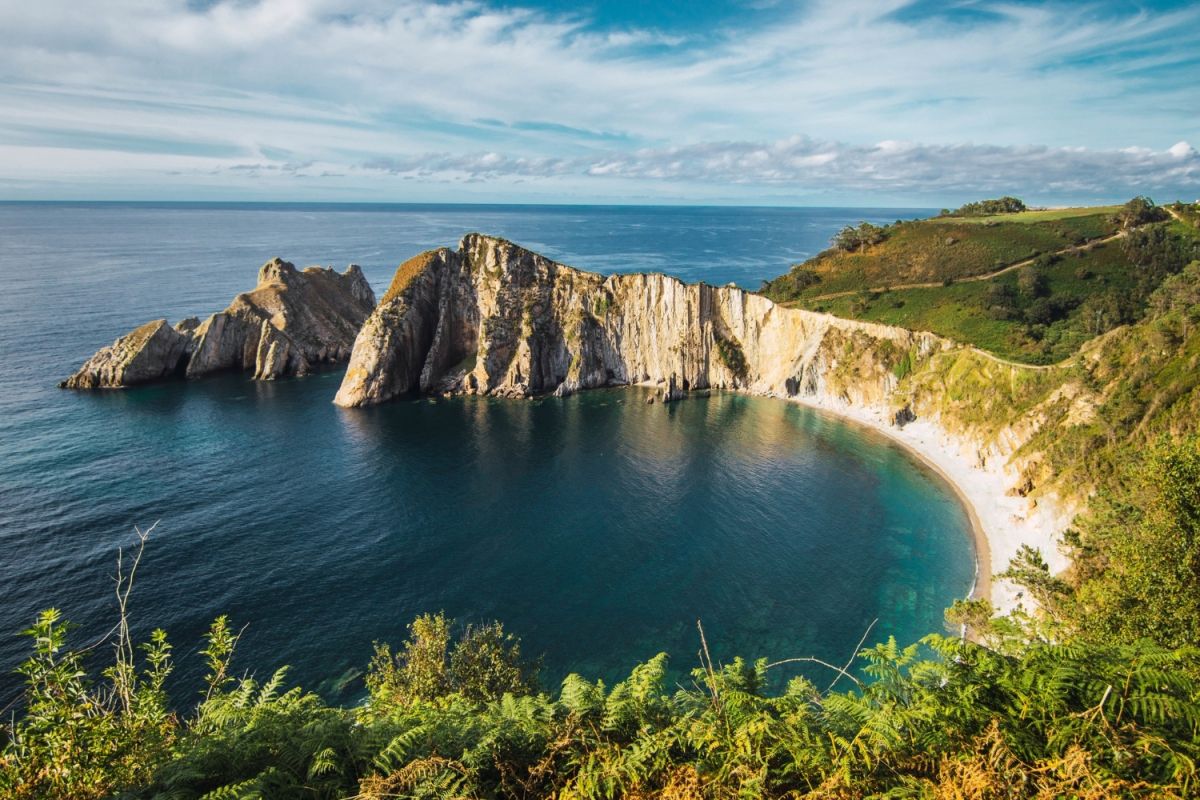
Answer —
290 322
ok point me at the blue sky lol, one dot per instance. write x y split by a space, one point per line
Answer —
740 101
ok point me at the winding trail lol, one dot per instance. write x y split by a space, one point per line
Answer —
1038 367
972 278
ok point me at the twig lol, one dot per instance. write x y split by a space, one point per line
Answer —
124 643
841 671
814 660
706 661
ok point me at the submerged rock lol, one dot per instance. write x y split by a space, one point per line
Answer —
290 322
493 318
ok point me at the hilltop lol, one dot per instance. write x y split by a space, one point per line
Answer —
1029 286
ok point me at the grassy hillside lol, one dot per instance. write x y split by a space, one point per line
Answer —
995 315
938 250
1036 311
1040 215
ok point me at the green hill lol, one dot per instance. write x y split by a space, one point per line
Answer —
941 249
934 275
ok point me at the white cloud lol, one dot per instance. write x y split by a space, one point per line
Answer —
338 83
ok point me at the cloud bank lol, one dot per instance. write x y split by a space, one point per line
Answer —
801 161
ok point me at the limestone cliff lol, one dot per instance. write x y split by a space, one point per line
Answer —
493 318
290 322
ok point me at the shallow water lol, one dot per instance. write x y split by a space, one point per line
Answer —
598 528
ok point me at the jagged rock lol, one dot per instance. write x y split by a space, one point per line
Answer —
904 416
671 392
292 320
493 318
152 352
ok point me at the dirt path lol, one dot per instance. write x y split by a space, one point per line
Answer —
971 279
1039 367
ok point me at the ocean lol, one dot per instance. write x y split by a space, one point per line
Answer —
598 528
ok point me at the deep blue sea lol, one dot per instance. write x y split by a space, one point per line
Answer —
598 528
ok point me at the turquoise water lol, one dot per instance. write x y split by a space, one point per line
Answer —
597 527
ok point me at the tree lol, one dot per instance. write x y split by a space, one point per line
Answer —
1139 211
985 208
859 237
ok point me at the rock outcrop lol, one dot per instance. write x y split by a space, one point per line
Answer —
493 318
290 322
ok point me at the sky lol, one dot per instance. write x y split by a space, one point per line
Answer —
765 102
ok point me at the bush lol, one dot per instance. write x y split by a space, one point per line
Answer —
1032 282
484 664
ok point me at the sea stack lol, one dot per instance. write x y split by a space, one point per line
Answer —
290 322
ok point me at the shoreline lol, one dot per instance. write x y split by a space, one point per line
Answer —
981 584
1001 523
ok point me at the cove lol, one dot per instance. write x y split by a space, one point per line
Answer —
598 527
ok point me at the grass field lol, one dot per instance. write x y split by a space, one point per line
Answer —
961 311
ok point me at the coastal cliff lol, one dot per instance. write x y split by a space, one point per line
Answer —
492 318
290 322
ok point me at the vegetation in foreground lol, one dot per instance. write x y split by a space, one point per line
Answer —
942 718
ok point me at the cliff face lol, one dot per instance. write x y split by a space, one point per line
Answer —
291 321
493 318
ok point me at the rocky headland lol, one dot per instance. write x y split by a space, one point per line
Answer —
292 321
492 318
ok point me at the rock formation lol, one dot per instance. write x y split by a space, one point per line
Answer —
291 321
493 318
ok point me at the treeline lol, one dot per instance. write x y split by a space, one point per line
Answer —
986 208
